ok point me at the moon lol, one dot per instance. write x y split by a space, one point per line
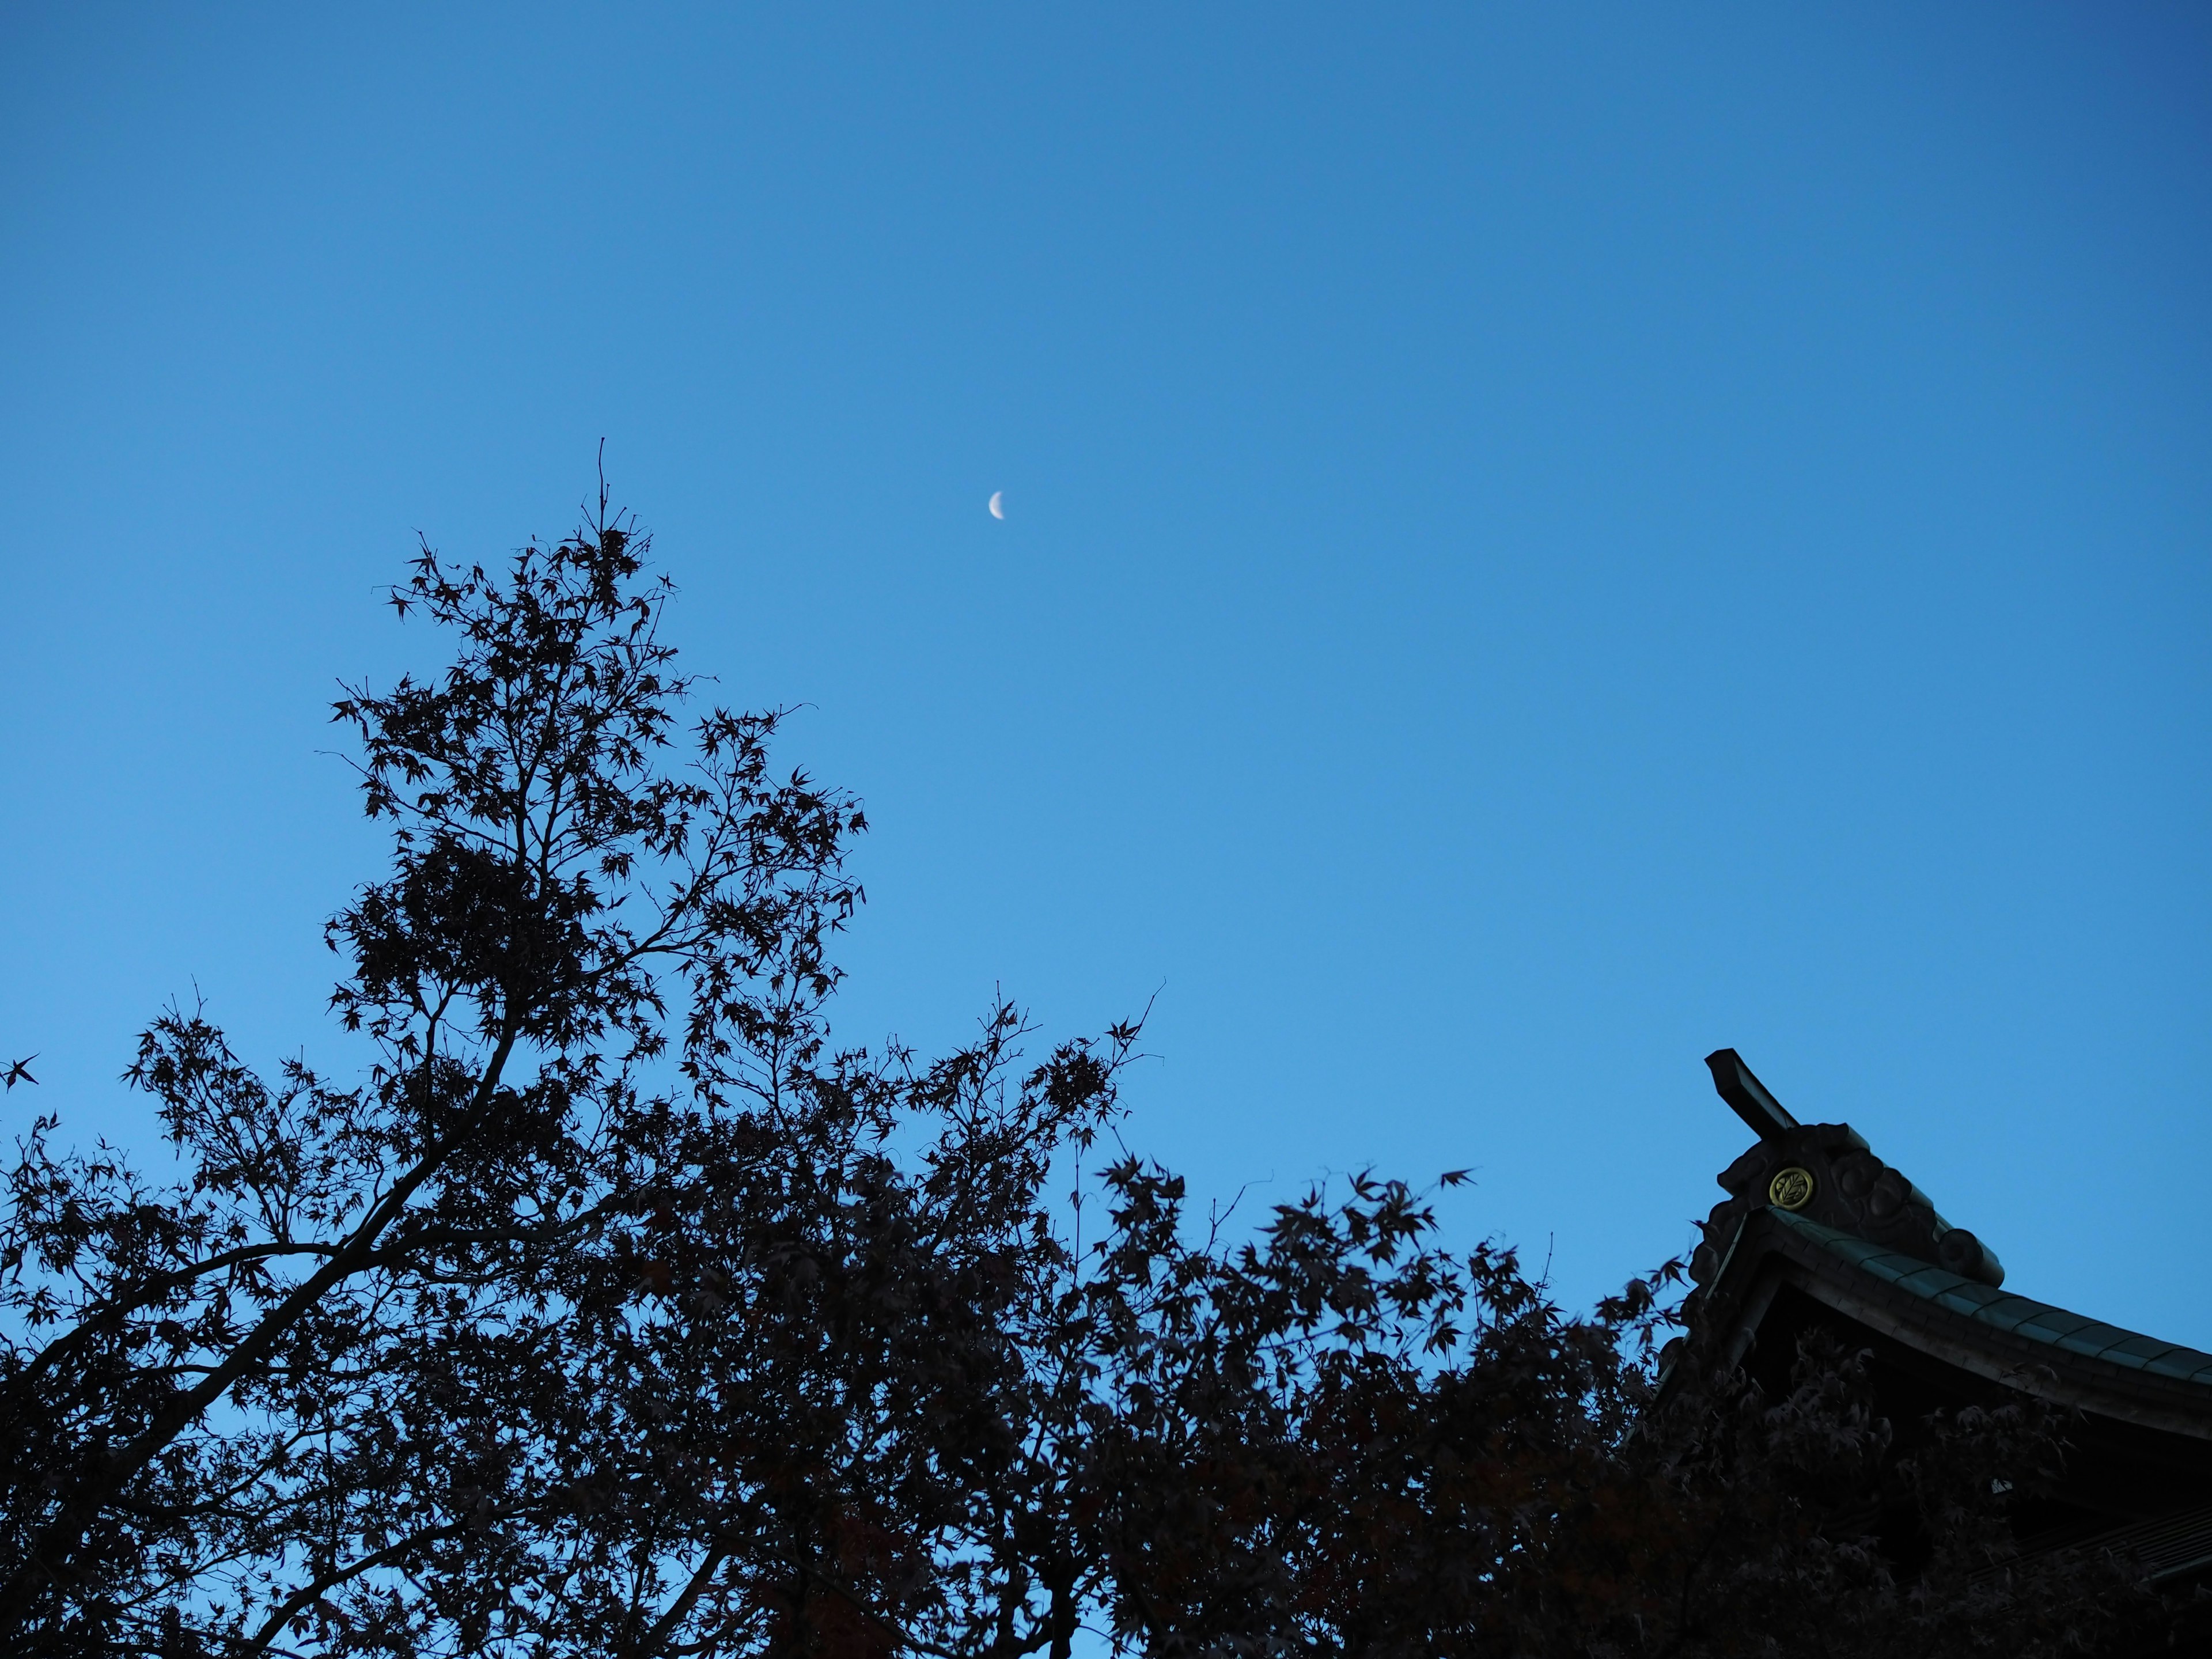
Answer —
997 511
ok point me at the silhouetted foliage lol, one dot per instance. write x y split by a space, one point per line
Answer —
615 1311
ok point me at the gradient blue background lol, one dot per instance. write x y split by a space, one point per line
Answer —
1540 541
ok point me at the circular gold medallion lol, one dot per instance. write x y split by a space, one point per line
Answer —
1791 1189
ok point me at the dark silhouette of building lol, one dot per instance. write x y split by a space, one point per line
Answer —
1816 1231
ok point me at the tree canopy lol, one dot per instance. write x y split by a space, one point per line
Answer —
614 1308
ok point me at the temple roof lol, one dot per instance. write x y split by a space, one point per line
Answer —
1817 1233
2012 1340
1812 1212
2001 1310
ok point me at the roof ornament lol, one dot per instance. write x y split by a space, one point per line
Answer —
1826 1173
1767 1117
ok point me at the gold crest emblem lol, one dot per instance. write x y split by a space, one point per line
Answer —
1791 1189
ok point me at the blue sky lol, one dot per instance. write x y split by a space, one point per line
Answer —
1539 542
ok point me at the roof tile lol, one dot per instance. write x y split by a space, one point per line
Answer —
2139 1351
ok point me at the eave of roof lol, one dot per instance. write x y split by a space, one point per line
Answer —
2012 1339
2001 1310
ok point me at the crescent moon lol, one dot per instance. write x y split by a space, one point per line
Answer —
997 511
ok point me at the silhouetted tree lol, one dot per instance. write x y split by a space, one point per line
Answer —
614 1310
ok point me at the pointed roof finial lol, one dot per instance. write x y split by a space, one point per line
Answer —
1747 1095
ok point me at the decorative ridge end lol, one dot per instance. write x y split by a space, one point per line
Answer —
1826 1173
1748 1097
